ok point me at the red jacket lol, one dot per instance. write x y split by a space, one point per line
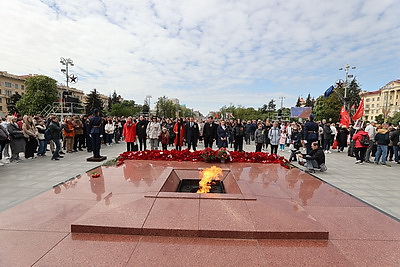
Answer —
129 131
357 137
181 134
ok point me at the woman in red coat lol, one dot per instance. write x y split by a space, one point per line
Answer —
360 148
179 130
129 133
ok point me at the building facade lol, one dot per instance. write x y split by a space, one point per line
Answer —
9 85
384 101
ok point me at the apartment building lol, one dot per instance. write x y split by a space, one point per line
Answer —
384 101
9 85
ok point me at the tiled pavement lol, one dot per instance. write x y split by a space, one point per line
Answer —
377 185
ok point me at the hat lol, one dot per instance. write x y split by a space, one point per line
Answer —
373 122
95 111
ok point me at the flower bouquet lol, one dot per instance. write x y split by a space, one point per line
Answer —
208 154
223 154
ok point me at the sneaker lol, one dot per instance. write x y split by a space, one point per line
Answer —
326 151
329 152
1 164
361 163
357 161
385 164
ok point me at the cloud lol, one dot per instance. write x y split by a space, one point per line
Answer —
206 53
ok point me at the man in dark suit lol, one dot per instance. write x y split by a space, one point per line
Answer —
96 132
191 133
210 132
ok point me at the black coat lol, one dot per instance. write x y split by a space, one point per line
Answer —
141 127
210 130
191 133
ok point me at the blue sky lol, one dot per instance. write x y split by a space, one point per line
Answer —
207 53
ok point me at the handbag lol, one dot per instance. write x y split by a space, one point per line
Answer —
135 146
335 144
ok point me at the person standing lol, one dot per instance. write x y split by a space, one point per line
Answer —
341 138
79 140
96 132
69 134
209 132
238 135
191 133
31 133
141 128
55 131
327 137
109 129
310 133
371 130
222 135
274 136
179 130
153 132
164 138
360 148
259 137
42 140
382 140
395 139
129 134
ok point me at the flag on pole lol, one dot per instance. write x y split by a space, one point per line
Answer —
328 91
344 117
15 114
360 111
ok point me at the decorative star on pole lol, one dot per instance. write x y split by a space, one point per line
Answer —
339 83
73 78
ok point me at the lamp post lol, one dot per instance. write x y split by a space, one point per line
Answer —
346 82
68 78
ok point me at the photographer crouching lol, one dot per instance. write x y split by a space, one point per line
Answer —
315 159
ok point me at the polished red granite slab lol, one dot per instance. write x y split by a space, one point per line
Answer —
125 199
230 215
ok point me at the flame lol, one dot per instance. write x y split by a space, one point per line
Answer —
207 176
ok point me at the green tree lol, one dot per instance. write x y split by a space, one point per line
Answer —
12 103
113 99
328 108
298 103
125 108
310 101
166 108
146 109
353 97
380 119
93 101
395 119
40 92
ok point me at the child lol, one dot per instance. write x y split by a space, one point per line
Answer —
164 138
282 140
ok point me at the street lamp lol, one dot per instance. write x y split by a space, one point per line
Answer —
346 82
68 78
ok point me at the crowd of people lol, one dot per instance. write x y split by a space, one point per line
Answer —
35 136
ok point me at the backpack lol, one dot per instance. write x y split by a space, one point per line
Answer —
47 135
364 141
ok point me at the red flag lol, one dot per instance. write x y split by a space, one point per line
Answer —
15 114
345 118
360 111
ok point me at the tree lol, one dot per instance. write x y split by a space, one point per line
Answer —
380 119
40 92
12 103
327 108
166 108
310 102
353 96
395 119
298 103
93 101
125 108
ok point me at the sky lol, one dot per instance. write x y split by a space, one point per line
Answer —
207 53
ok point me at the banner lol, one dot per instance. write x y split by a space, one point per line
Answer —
300 112
344 117
360 111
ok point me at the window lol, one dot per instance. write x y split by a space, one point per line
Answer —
367 100
1 100
1 108
7 84
377 99
377 105
367 106
373 99
8 92
23 87
372 105
16 86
